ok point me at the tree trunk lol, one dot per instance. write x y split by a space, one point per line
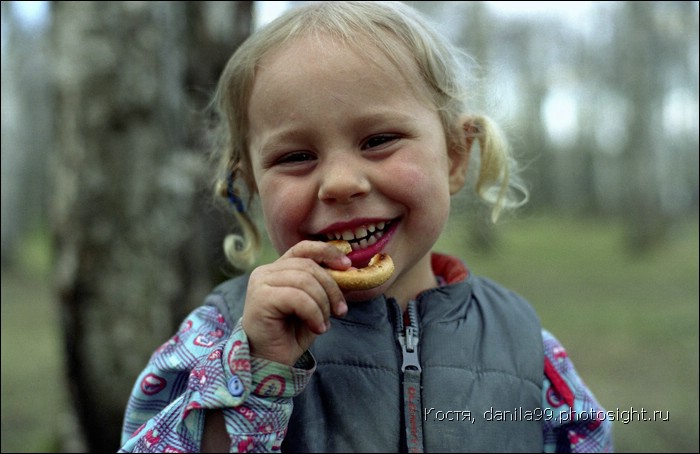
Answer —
134 251
641 79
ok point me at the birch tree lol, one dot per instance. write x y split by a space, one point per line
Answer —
131 213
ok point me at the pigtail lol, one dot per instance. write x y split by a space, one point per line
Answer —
241 249
497 182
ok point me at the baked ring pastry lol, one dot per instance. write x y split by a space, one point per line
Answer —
377 272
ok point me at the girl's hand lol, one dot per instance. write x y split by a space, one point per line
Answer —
289 301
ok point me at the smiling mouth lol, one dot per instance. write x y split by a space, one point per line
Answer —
361 237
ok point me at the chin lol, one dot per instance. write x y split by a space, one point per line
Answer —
366 295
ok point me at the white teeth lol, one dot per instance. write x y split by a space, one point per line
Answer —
361 232
364 236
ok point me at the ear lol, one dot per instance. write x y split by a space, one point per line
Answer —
459 152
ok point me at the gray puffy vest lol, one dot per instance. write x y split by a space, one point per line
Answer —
481 361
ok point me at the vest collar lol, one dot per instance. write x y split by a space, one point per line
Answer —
448 301
448 268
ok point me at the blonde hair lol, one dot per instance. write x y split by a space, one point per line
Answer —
403 37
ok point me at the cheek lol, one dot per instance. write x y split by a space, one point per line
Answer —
283 210
426 193
426 186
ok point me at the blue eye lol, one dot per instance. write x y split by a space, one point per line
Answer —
297 156
377 141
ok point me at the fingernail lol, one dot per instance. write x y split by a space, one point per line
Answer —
346 261
341 309
322 328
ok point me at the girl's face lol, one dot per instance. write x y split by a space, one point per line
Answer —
341 147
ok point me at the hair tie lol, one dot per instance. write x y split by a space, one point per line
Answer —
232 196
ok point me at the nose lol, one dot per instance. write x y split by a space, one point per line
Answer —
343 180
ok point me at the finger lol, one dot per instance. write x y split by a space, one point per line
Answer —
334 294
309 277
331 256
277 273
283 305
316 281
302 274
298 302
319 252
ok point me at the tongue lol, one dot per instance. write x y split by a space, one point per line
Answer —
361 257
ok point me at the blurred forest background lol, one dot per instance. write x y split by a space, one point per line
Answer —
110 235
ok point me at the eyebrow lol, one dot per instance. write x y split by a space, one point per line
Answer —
392 115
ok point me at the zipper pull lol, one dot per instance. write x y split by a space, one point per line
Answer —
409 340
412 399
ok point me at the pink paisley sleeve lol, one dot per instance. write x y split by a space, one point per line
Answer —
574 421
207 366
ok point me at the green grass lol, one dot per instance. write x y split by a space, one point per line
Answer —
33 384
630 324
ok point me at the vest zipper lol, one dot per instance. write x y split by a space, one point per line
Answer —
409 337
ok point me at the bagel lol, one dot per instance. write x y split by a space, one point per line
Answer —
377 272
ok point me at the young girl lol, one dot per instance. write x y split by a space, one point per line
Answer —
347 120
